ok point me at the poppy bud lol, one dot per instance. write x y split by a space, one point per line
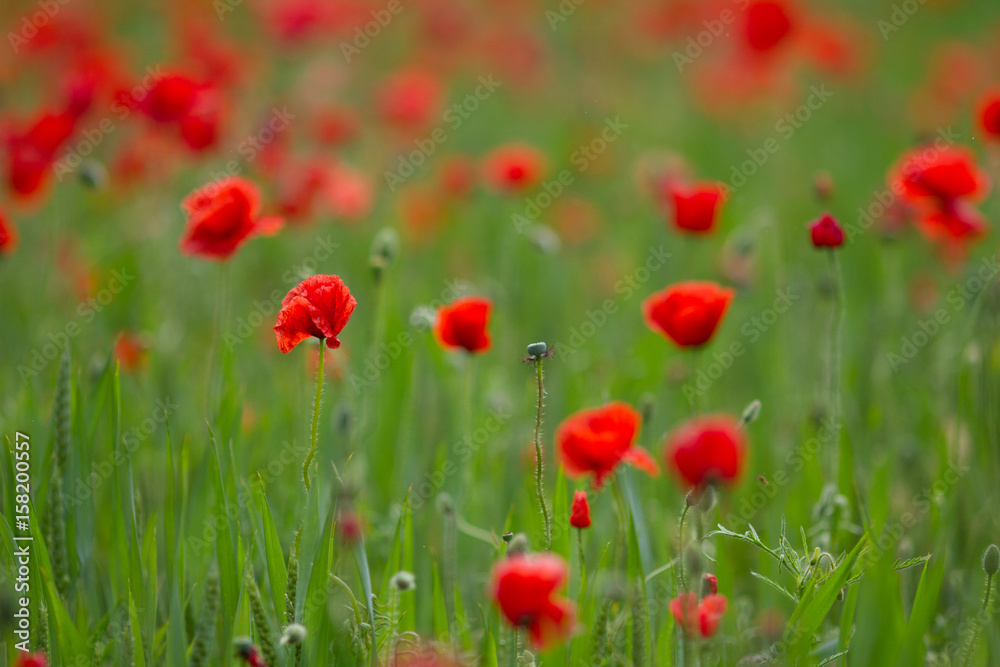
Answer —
751 412
403 581
385 249
826 232
293 635
991 560
93 175
580 513
711 584
537 349
507 537
518 545
824 186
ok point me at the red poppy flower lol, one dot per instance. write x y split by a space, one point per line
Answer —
826 232
698 618
32 660
524 587
688 313
595 441
706 450
130 351
953 221
579 516
31 153
221 216
696 208
767 25
514 168
8 236
409 99
319 306
711 583
462 324
171 98
989 115
941 175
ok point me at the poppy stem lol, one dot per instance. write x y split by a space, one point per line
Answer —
680 547
579 549
546 521
833 371
315 421
971 648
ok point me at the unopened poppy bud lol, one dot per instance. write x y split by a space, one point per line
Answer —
991 560
711 584
537 349
707 500
385 249
244 647
544 238
826 232
527 659
823 184
445 504
403 581
507 537
349 526
293 635
579 516
93 175
518 545
751 412
646 403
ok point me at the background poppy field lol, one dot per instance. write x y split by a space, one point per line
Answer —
565 161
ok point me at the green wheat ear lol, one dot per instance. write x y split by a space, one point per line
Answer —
260 622
206 627
56 518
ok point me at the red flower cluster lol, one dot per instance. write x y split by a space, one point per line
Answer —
193 107
688 313
595 441
221 216
707 450
579 515
826 232
319 306
698 618
524 587
462 324
940 187
696 207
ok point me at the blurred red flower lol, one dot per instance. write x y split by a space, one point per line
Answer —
171 97
319 306
463 323
31 153
32 660
698 618
596 440
767 24
129 351
706 450
942 175
579 516
409 99
513 167
989 114
826 232
696 207
524 587
688 313
221 216
8 236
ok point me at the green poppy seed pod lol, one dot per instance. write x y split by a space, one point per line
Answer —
518 545
537 349
991 560
293 635
507 537
92 175
403 581
751 412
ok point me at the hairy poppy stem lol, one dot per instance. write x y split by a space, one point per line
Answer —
579 548
833 371
680 547
547 522
315 422
971 648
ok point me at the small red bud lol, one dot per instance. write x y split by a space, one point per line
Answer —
580 513
826 232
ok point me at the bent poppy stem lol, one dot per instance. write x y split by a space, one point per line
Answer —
315 421
546 521
971 648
